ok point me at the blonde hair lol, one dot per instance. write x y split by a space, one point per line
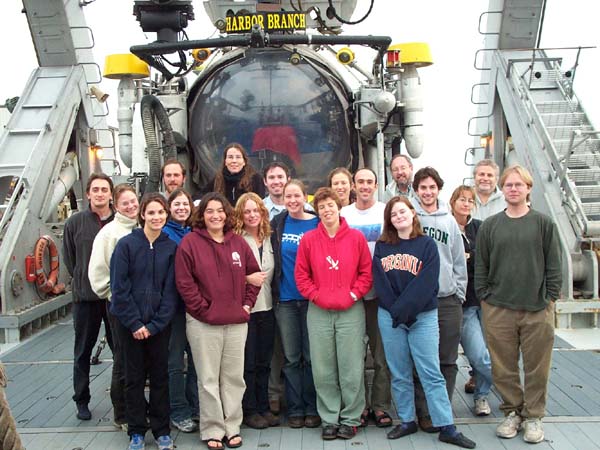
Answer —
264 230
521 171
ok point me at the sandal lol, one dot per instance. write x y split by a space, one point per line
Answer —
364 417
229 439
219 445
382 420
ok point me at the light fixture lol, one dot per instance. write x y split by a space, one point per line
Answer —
485 139
100 95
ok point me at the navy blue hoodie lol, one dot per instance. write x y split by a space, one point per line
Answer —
142 278
405 276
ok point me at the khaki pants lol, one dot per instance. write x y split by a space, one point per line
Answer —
218 353
510 333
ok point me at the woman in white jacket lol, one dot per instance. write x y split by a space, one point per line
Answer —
126 203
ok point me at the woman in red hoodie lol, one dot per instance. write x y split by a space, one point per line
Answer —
210 271
333 271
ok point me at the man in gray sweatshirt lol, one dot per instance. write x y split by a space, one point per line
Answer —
438 223
488 199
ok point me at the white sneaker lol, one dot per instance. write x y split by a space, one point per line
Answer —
510 426
534 432
482 407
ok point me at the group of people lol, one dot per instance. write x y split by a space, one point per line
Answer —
246 289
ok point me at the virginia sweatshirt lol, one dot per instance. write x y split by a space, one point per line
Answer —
405 276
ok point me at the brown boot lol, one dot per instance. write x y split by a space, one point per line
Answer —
470 386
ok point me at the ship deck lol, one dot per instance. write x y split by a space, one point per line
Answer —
40 390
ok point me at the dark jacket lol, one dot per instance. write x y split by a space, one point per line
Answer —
80 230
142 277
175 231
277 224
406 277
211 277
469 237
233 191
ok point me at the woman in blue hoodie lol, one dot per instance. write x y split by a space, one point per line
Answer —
144 298
183 388
406 268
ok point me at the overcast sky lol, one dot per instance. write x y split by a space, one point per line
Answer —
450 28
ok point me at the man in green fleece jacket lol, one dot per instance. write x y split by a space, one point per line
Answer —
517 279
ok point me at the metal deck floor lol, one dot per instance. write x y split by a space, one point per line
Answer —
40 390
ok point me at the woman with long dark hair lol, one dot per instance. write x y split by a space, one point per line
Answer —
236 175
211 267
142 278
406 267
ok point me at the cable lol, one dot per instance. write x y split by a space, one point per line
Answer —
331 10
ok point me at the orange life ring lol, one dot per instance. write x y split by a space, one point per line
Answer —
46 282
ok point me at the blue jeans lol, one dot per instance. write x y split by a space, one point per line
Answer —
421 341
297 370
475 347
183 389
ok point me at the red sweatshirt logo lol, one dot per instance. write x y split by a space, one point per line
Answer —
237 261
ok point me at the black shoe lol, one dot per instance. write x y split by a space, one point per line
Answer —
457 439
83 412
256 421
346 432
404 429
329 432
427 426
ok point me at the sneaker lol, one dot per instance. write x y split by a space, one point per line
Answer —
83 412
510 426
185 425
533 431
482 407
136 442
346 432
256 421
458 439
404 429
164 443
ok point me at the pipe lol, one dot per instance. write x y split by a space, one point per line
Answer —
127 98
152 108
66 179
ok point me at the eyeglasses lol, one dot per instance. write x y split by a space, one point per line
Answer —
470 201
514 185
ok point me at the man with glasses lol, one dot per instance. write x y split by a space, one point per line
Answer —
517 278
402 174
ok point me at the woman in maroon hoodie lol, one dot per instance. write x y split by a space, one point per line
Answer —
210 271
333 271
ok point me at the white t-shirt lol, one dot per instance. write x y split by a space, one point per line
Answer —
370 223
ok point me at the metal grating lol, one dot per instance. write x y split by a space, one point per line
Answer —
584 175
563 119
557 107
